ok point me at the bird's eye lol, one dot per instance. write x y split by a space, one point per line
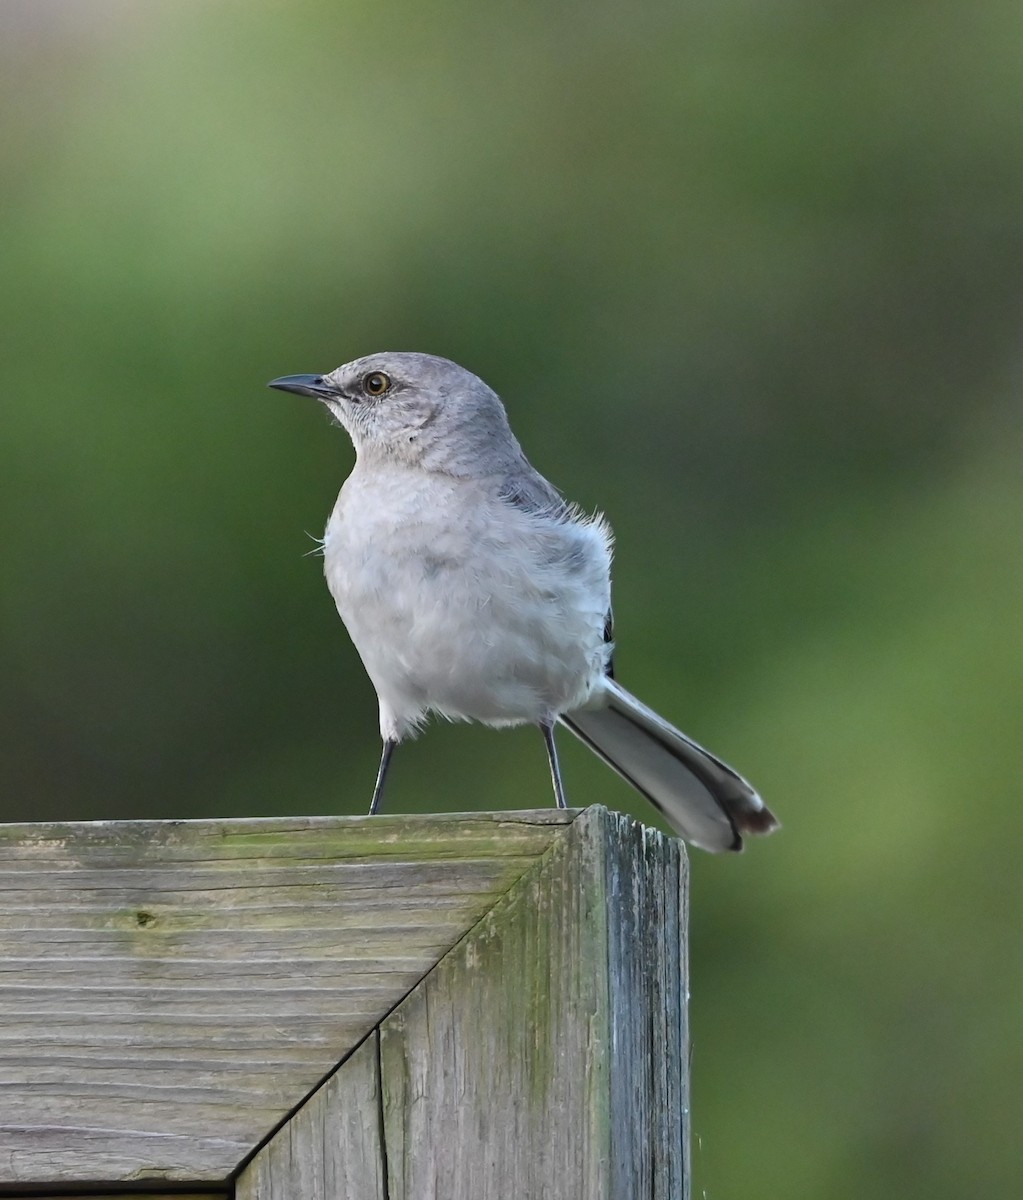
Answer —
376 383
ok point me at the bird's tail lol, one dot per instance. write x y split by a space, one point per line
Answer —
704 801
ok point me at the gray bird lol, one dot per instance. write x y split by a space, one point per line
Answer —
472 589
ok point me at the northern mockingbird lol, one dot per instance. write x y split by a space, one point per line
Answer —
473 590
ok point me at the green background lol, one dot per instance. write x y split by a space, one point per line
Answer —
749 276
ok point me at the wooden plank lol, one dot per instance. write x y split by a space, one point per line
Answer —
647 897
331 1149
169 990
544 1056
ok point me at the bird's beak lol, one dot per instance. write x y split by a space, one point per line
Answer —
304 385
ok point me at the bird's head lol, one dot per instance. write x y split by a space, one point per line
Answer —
414 408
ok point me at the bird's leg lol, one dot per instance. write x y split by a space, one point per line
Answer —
547 729
385 762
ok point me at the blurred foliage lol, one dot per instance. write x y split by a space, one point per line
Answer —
748 276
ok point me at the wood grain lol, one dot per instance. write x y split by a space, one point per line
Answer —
544 1056
331 1149
170 990
647 898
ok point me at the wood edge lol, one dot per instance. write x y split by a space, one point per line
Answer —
9 831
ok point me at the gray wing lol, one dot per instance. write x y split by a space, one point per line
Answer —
527 490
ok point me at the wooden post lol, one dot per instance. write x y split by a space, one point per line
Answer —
467 1007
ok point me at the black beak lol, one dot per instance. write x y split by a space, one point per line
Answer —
304 385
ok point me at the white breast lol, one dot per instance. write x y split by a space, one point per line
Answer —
461 604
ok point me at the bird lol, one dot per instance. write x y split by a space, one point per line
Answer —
472 590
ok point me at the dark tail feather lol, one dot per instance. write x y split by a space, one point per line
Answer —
703 799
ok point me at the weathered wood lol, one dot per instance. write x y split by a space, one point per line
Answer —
331 1149
646 894
545 1055
175 998
170 990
